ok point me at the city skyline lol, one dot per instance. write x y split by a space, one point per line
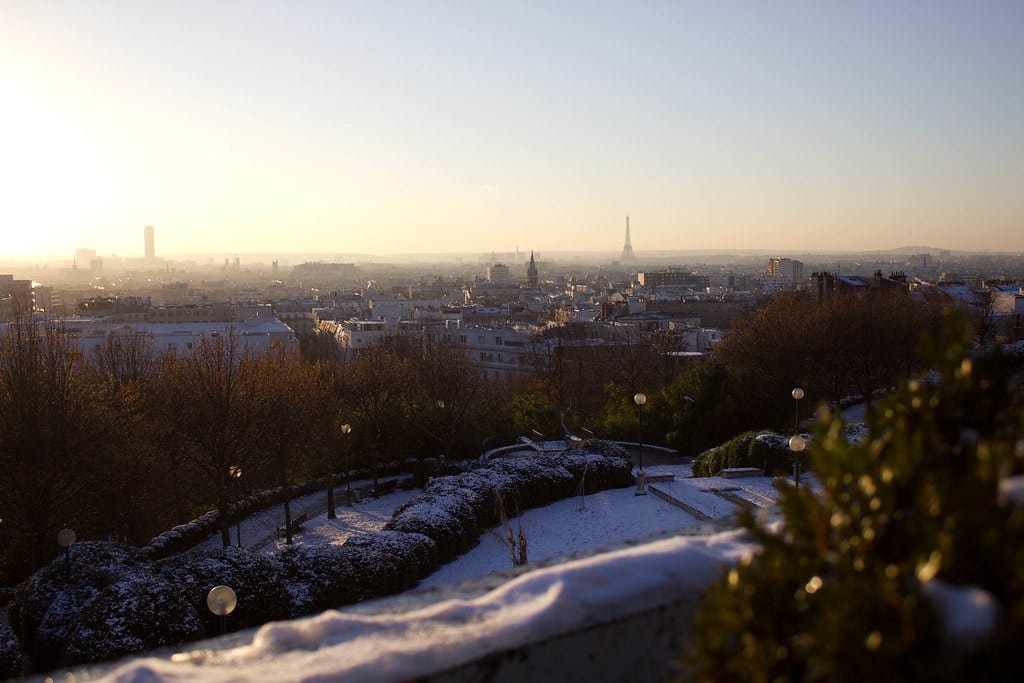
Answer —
383 129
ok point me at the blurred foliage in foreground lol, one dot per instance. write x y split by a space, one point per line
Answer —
860 581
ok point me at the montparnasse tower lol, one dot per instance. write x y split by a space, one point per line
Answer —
627 248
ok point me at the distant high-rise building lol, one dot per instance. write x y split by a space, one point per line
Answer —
150 247
84 257
786 268
627 248
531 273
498 273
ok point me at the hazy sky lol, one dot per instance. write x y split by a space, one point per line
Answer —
388 127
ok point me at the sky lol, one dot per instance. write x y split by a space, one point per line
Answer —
414 127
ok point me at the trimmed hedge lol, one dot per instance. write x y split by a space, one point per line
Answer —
47 606
119 601
258 582
139 613
764 450
11 657
180 538
453 510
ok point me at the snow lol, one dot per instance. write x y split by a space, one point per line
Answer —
651 553
259 531
361 518
390 647
968 613
1011 489
606 519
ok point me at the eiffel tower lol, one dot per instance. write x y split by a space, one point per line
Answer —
627 248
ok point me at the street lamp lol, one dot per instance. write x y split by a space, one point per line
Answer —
222 601
66 539
236 472
447 428
640 399
797 444
797 394
346 429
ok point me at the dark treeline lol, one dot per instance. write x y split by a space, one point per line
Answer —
121 444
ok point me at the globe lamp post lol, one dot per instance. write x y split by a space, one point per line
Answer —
222 601
66 539
640 399
797 394
797 444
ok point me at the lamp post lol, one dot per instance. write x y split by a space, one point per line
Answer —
66 539
797 444
346 429
222 601
447 428
797 394
640 399
236 473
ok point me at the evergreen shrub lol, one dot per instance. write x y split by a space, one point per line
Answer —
139 613
11 657
853 584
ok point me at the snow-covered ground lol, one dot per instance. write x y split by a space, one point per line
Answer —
259 531
430 630
567 528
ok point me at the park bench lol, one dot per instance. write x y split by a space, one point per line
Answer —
297 521
740 472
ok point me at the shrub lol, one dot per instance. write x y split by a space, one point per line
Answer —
11 658
846 589
317 578
257 581
46 606
764 450
139 613
453 510
390 562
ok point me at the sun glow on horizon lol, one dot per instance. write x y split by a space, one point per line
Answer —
363 129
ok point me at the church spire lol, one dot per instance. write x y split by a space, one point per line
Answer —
531 273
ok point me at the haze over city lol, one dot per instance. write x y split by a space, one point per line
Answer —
399 127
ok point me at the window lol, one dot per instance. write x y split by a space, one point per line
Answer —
497 341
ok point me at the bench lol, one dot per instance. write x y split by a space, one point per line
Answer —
294 526
740 472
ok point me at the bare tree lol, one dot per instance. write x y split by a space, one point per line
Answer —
449 389
57 431
215 413
985 321
376 385
286 394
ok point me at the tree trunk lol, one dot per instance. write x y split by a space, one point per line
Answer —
373 465
225 526
331 514
288 519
